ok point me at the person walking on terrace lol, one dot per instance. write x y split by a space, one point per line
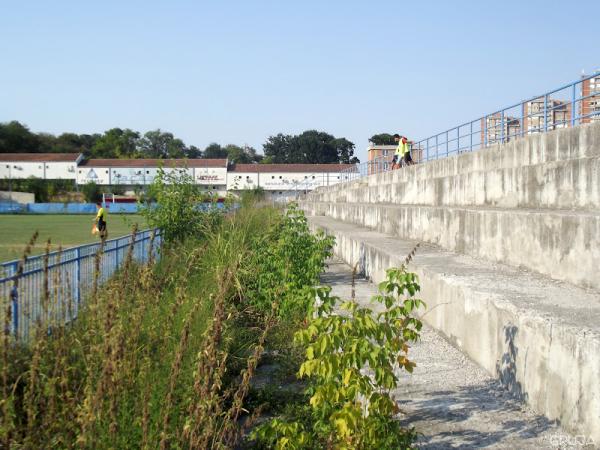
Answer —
402 156
397 154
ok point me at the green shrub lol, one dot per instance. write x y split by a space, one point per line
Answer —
176 211
352 360
92 193
290 260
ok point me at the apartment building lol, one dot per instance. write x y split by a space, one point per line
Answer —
589 109
496 129
558 115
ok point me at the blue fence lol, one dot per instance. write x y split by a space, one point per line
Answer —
67 276
66 208
570 105
80 208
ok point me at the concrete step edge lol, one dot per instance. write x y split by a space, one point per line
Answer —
537 336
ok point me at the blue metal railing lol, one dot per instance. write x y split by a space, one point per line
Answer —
570 105
68 276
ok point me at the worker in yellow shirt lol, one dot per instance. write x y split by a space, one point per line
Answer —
100 221
402 156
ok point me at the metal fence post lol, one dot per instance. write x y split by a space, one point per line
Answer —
471 140
446 144
14 297
458 140
546 112
502 127
436 145
485 133
117 254
573 100
78 277
523 119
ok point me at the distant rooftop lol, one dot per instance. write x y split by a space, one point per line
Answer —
270 168
155 163
39 157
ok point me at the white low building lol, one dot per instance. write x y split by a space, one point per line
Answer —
47 166
210 173
279 181
284 181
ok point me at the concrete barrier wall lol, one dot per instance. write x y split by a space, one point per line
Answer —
542 347
562 245
572 184
532 203
560 169
18 197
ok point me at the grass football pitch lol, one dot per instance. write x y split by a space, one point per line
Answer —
68 230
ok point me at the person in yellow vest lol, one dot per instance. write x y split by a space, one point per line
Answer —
100 221
402 156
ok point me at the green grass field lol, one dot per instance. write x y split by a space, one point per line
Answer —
63 229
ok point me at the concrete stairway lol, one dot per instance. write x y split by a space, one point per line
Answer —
534 203
511 276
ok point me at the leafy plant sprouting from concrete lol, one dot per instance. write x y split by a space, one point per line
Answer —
176 210
352 361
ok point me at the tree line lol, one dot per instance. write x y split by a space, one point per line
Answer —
309 147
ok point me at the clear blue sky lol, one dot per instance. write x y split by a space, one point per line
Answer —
239 71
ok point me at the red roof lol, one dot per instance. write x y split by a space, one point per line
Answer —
304 168
155 163
39 157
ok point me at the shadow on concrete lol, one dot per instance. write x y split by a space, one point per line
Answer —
334 278
506 368
458 418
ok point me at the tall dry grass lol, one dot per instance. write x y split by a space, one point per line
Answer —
153 360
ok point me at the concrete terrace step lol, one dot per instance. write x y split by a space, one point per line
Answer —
551 242
448 398
541 338
572 184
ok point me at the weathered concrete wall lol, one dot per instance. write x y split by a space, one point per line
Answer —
531 204
541 339
572 184
553 243
18 197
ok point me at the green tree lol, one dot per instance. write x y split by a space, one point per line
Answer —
382 139
72 142
345 151
192 152
158 144
214 151
16 138
277 149
116 143
242 155
309 147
